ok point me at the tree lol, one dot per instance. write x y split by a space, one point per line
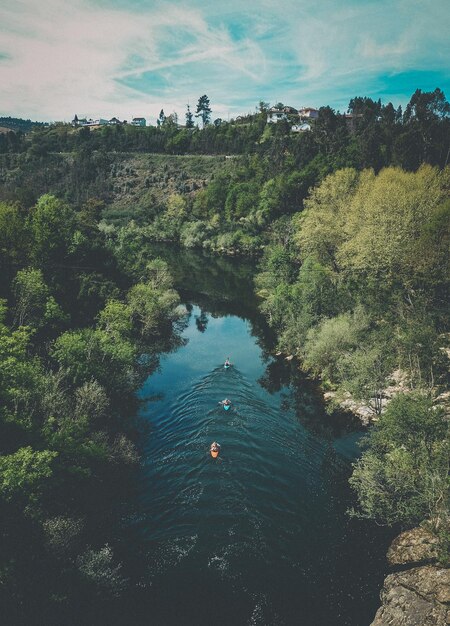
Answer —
402 476
98 567
189 118
203 110
427 121
34 304
13 238
20 378
161 119
321 226
23 474
51 224
98 354
153 302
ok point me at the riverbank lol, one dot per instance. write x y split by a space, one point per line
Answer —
418 592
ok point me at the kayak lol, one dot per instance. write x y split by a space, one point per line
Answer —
226 366
214 453
226 406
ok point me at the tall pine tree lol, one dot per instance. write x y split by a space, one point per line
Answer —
203 110
189 118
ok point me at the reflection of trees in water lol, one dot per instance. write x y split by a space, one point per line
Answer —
201 321
224 286
302 396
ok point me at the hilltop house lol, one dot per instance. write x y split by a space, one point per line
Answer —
308 113
114 121
84 122
277 114
139 121
300 128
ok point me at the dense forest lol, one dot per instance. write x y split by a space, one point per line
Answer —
81 328
357 287
351 223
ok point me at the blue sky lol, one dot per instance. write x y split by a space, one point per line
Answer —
133 57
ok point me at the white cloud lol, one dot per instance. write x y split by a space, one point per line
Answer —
60 57
67 56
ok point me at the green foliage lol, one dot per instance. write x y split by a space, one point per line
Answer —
153 302
331 340
98 567
50 224
203 110
62 534
24 473
362 241
19 377
67 398
13 237
35 306
96 354
403 475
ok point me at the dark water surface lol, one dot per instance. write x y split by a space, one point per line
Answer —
260 535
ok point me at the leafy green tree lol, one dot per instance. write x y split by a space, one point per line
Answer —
333 338
51 225
96 354
402 477
115 319
151 305
20 378
98 567
24 474
14 239
321 227
34 305
176 208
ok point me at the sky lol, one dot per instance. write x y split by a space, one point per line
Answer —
130 58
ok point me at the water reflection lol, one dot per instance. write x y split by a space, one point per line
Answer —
262 536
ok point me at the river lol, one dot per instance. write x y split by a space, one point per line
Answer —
259 536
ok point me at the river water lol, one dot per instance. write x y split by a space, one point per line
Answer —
259 535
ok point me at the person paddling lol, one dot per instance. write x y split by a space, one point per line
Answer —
214 449
225 403
227 363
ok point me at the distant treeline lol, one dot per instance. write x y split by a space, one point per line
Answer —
377 135
18 124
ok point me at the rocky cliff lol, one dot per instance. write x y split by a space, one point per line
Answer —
420 595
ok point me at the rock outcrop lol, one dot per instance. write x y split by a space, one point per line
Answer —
413 546
419 596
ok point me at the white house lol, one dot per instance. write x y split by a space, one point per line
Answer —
300 128
308 113
139 121
277 114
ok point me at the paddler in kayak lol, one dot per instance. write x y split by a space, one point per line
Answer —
225 403
214 449
227 363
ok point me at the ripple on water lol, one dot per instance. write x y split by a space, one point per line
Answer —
260 518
